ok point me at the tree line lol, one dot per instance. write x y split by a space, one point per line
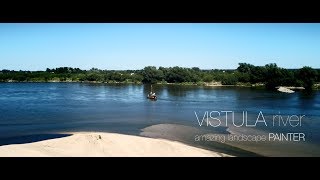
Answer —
269 75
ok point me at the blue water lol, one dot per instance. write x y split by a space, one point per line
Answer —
33 108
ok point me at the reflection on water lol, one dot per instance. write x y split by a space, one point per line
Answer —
34 108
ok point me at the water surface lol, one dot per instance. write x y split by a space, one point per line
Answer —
41 108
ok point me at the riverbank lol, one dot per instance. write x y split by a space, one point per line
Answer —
211 84
105 144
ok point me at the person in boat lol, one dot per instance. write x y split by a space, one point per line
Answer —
151 94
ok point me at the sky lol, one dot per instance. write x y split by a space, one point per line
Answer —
121 46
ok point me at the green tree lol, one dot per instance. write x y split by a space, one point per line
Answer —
273 76
207 77
308 76
94 77
245 68
151 75
243 77
229 79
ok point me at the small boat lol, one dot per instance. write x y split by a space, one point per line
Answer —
152 95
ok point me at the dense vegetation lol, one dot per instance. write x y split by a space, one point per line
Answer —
269 75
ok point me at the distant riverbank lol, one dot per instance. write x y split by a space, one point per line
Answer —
212 84
246 75
209 84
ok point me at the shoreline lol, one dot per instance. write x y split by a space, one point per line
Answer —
286 90
100 144
139 83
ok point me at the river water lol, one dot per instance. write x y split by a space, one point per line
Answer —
43 108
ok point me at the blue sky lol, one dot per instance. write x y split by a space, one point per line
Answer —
133 46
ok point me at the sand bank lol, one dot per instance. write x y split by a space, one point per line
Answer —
104 144
285 90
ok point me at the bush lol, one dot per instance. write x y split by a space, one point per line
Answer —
229 79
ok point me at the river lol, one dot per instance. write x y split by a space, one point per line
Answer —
44 108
